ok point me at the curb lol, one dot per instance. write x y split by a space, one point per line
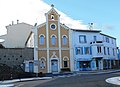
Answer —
97 73
23 80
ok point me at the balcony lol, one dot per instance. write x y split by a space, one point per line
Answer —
96 42
97 55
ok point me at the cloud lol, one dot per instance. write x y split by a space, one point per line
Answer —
30 11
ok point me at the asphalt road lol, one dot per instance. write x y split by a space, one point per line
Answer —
73 81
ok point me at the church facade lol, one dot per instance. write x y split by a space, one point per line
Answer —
52 48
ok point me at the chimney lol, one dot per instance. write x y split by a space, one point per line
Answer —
12 22
17 21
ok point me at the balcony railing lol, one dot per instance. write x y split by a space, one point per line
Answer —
95 42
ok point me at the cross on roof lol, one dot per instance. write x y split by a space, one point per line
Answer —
52 5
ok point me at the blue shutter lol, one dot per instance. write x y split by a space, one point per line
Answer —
90 50
76 51
85 41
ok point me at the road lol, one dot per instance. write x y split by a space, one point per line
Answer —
73 81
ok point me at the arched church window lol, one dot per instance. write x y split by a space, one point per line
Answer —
53 40
64 40
42 39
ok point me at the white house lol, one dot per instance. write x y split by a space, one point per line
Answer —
17 35
93 50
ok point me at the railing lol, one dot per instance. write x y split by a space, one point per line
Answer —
96 42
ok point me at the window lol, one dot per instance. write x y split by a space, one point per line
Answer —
104 51
79 50
112 41
107 39
87 50
82 39
99 49
42 63
53 40
95 38
65 61
64 40
108 51
52 16
53 26
41 39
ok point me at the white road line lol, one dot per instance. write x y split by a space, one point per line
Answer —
19 85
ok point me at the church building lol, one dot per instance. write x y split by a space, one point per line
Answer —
52 52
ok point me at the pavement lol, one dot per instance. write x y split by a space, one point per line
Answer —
10 83
98 71
114 80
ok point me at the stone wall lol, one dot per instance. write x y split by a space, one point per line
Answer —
15 56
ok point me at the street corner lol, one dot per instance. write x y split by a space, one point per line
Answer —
113 80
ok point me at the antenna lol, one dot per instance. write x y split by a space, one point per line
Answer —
91 26
35 24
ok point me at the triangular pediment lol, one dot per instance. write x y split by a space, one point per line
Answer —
52 10
54 55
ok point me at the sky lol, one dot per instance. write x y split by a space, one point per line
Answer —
74 13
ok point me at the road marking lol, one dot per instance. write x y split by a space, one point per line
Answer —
19 85
113 80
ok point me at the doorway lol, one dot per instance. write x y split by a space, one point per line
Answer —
54 65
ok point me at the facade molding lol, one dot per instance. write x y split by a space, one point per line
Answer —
65 57
42 58
54 48
41 25
53 35
65 36
41 35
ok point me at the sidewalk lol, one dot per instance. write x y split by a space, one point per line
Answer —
9 83
98 71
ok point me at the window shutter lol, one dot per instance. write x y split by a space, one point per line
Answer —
90 50
81 50
76 51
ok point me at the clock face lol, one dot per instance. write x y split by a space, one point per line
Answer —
53 26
